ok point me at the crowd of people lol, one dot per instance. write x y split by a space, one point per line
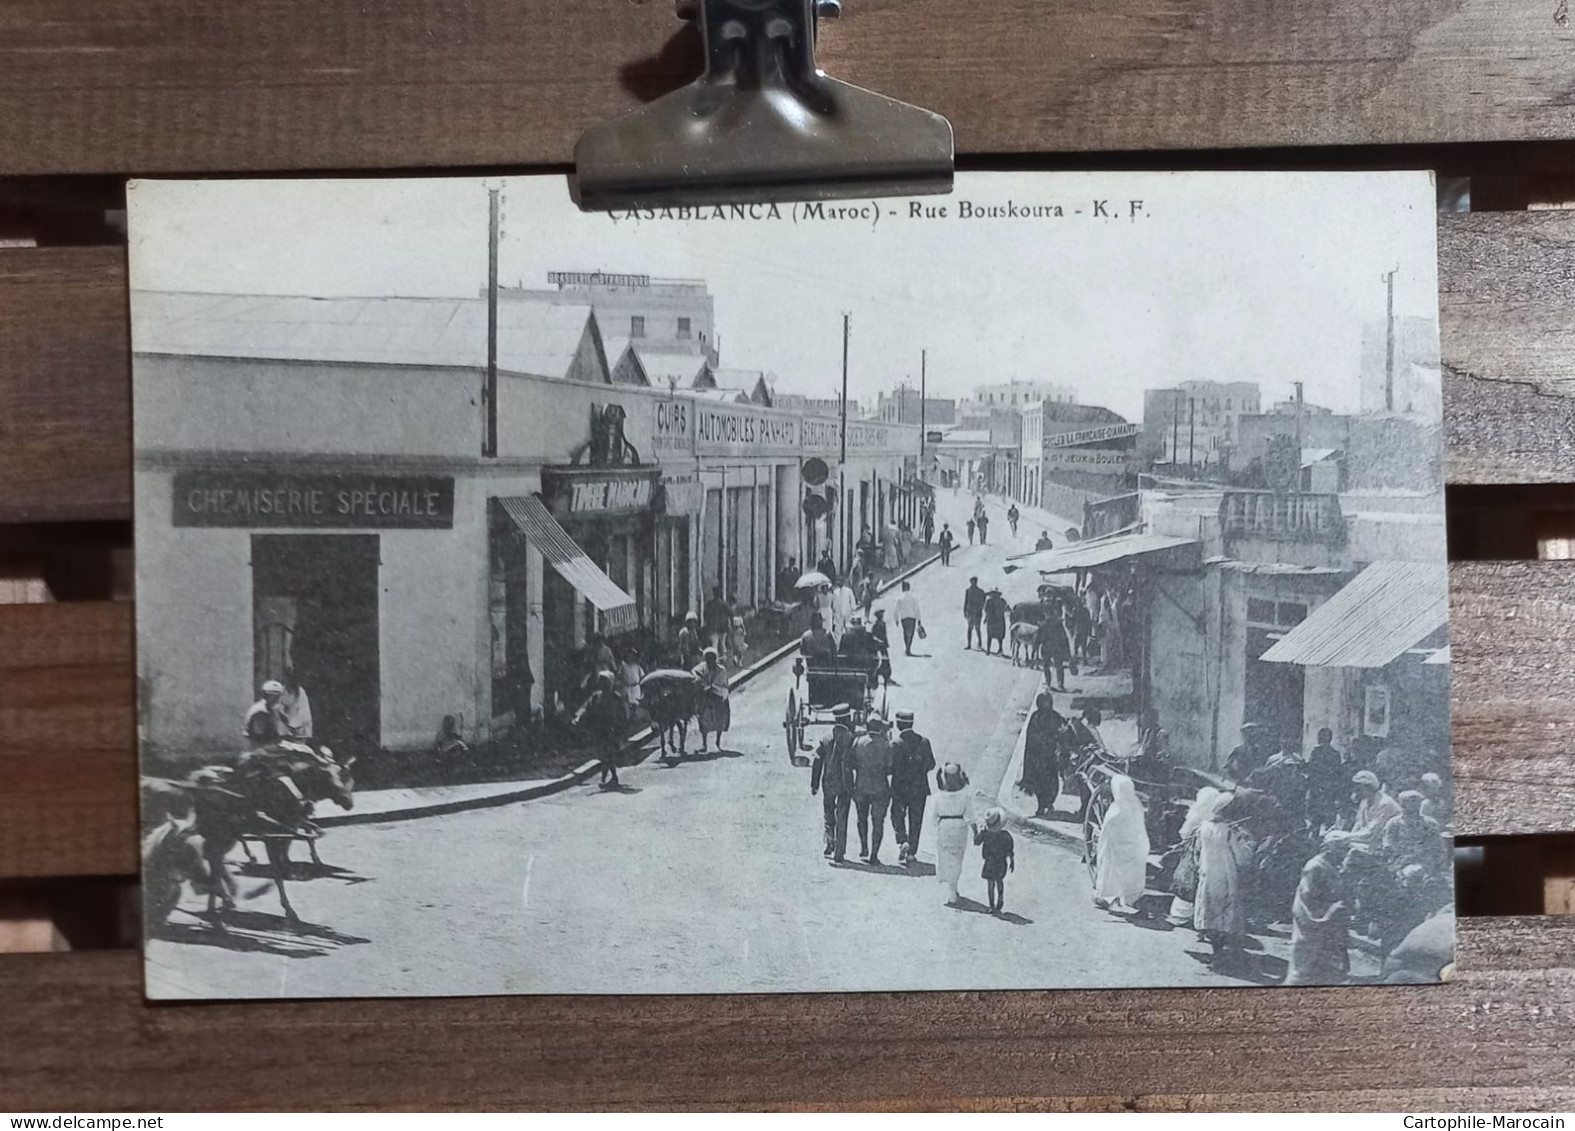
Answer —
1334 843
862 773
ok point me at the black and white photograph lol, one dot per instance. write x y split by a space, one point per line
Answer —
1036 586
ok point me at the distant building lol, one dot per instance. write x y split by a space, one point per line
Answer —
670 315
742 386
653 366
1416 386
1017 394
1368 452
1194 424
1074 456
1288 408
902 407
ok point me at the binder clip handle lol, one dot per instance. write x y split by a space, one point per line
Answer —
763 123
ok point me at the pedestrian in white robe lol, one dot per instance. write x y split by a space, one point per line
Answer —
951 826
1219 912
1121 872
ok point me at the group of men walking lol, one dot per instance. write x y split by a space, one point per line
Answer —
867 773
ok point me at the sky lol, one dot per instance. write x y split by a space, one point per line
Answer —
1265 277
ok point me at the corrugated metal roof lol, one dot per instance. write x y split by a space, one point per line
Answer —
560 551
1102 551
538 338
1380 613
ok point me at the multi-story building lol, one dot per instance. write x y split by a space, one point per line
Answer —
476 552
1194 425
1074 455
902 407
1017 394
658 315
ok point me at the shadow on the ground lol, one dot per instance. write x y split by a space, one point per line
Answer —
257 932
300 871
611 790
1257 968
672 762
963 903
914 871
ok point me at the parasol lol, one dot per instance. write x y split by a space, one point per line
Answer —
814 579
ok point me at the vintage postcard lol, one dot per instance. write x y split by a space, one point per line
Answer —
1037 586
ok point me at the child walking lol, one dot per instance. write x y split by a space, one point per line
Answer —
995 844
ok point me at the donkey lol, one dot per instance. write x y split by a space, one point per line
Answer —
670 707
1025 641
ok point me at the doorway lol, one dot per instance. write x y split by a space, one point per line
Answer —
1273 694
315 610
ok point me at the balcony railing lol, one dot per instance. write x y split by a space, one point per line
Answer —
1288 517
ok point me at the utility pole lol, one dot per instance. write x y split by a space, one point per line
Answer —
923 363
1175 430
842 456
489 395
1389 341
1192 432
1300 442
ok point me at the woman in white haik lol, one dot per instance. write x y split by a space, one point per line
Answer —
951 828
1121 873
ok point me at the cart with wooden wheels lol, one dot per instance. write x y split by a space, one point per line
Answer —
819 687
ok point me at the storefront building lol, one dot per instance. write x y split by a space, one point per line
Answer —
414 585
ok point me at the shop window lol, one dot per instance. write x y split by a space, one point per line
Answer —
637 326
684 330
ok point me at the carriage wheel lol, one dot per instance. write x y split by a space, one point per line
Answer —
792 726
1098 805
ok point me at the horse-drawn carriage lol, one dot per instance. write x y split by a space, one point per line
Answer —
819 686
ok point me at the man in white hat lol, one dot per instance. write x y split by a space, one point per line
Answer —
264 724
1374 810
689 645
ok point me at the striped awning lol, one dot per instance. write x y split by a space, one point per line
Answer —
531 516
1382 613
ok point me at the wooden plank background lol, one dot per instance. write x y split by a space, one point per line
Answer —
183 85
101 87
1498 1037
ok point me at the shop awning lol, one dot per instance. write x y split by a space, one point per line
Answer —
535 521
1098 552
1381 613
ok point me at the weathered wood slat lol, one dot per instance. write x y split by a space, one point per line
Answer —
67 740
1498 1037
172 85
1507 299
67 729
1512 630
1507 293
65 389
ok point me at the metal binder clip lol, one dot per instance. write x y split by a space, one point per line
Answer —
762 123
